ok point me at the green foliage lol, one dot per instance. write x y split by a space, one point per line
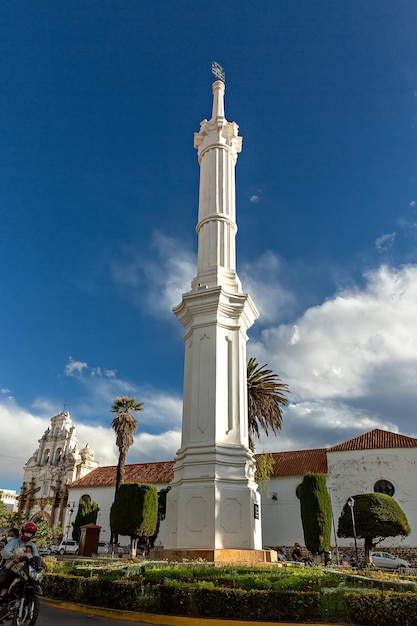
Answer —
376 516
316 513
382 609
124 424
9 519
264 466
86 514
162 507
134 511
47 535
98 592
266 397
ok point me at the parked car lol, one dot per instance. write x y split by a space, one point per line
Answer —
45 550
68 547
385 559
103 548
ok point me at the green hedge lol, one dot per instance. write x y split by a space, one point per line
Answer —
238 604
189 600
218 598
382 608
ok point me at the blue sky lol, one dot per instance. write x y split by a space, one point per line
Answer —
98 206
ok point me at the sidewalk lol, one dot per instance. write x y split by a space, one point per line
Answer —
165 620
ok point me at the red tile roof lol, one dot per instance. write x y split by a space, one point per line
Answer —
300 462
295 463
375 439
161 472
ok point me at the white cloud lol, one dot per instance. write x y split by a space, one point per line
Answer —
385 242
74 368
321 423
356 353
263 280
254 199
413 203
163 274
23 430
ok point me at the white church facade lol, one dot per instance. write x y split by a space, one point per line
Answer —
56 462
378 460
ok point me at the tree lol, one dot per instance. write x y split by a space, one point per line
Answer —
316 513
134 513
47 535
86 514
377 516
266 397
162 507
124 425
264 467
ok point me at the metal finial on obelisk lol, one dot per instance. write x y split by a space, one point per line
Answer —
218 71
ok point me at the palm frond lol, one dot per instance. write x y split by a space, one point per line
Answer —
266 397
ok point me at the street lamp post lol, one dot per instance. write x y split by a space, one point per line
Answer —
351 503
71 511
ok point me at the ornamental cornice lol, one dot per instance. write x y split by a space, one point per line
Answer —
218 133
230 310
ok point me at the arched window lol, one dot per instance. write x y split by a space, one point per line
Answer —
58 455
85 498
384 486
46 456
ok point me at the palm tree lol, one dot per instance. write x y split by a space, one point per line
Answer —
266 397
124 425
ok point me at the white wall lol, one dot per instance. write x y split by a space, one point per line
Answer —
357 471
8 497
281 521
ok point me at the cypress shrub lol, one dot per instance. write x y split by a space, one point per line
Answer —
316 513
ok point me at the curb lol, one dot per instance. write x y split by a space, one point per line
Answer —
163 620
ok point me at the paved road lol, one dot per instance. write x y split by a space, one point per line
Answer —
50 616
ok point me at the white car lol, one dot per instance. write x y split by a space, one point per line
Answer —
103 548
385 559
68 547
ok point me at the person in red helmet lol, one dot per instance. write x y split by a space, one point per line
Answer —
296 553
14 549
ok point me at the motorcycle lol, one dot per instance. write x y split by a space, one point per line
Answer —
22 601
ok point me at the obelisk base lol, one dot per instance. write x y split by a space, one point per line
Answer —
214 556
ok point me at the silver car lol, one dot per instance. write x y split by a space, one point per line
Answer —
385 559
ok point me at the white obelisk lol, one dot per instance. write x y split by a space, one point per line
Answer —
213 503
